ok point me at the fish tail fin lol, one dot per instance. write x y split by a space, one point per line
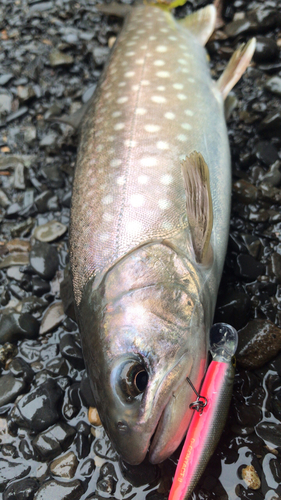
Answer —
237 65
201 23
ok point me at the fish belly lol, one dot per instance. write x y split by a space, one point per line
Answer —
155 104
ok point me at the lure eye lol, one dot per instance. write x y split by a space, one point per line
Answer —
133 379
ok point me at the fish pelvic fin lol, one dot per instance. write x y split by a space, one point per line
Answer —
199 205
201 23
237 65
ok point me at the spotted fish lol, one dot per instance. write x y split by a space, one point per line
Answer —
149 225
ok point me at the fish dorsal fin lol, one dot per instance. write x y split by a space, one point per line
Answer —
198 205
201 23
237 65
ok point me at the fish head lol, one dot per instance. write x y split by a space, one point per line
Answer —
140 344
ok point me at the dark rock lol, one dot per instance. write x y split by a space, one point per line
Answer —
252 244
275 468
39 286
44 260
271 125
53 316
245 191
249 268
274 85
259 342
72 490
27 450
238 27
233 307
82 444
11 471
87 467
16 326
107 479
40 408
49 351
266 50
270 432
276 265
54 176
21 369
266 152
57 367
65 466
54 441
46 201
22 490
138 475
71 351
273 176
10 388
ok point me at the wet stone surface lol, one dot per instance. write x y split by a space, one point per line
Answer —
51 57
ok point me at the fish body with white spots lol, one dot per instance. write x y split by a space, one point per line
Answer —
149 227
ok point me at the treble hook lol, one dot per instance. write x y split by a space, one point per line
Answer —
200 402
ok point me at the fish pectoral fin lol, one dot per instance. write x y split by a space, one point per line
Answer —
237 65
114 9
199 205
201 23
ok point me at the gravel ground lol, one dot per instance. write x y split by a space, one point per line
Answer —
52 54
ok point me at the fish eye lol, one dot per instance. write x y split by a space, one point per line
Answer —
133 379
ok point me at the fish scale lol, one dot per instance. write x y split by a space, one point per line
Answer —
147 113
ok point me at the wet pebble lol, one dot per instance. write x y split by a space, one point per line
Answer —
107 479
94 417
58 58
53 316
11 471
270 432
266 49
248 267
15 259
71 351
20 368
72 490
46 202
251 478
40 408
50 231
24 489
10 388
266 152
137 475
53 441
259 342
14 326
39 286
44 260
274 85
65 466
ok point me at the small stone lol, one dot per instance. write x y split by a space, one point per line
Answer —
15 259
17 114
65 466
259 342
50 231
245 191
21 369
5 78
94 417
270 432
40 408
46 202
16 326
15 273
271 125
70 490
266 49
39 286
249 268
44 260
71 351
24 489
266 152
53 316
11 471
48 140
274 85
54 440
273 176
58 58
251 478
88 93
25 93
107 479
100 55
5 104
18 245
10 388
4 200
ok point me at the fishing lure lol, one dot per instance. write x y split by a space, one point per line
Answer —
210 412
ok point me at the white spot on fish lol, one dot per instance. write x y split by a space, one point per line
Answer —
130 54
107 199
164 30
191 80
135 88
119 126
161 88
185 70
158 99
115 162
181 97
148 161
159 62
111 138
121 100
182 137
140 32
107 217
115 114
178 86
163 74
152 128
120 180
131 43
188 112
143 47
161 48
133 226
129 74
186 126
139 61
136 200
173 38
104 236
162 145
140 111
142 179
164 204
152 38
121 84
145 82
169 115
166 179
182 61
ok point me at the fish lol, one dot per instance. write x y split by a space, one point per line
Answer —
149 225
207 424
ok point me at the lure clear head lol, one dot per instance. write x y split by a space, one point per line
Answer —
223 342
